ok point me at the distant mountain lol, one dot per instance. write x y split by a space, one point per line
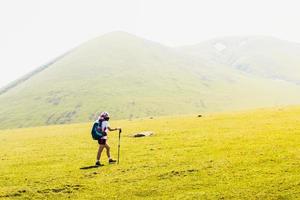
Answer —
132 77
264 57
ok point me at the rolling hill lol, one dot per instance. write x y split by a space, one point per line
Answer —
260 56
132 77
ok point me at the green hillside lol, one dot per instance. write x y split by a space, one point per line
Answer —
132 78
259 56
245 155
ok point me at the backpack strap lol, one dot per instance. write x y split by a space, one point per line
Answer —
100 124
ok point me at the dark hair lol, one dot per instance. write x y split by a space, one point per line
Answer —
106 118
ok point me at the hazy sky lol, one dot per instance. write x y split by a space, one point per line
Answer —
32 32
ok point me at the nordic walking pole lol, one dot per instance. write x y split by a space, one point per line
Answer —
119 145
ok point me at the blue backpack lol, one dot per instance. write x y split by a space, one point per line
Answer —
97 130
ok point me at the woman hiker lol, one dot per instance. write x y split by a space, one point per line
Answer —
103 120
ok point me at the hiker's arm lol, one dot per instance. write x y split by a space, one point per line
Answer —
113 129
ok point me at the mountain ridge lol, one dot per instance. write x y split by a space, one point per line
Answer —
15 82
132 78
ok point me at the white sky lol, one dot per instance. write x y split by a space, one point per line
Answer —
32 32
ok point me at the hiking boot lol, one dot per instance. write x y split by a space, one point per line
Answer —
111 161
98 164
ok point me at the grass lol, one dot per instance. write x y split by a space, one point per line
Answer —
242 155
135 78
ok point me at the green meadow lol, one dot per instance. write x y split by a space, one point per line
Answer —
240 155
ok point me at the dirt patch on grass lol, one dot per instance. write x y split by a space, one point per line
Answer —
175 173
91 174
64 189
15 194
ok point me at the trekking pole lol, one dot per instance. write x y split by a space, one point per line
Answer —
119 145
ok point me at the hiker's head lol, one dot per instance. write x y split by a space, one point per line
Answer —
104 116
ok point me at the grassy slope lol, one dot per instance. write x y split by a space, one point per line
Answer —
127 75
253 155
260 56
132 78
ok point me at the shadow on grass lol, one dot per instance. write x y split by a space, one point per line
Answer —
89 167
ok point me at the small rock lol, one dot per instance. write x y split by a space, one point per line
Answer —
143 134
199 115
